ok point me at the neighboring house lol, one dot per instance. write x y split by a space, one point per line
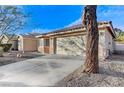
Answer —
27 43
119 48
72 40
10 39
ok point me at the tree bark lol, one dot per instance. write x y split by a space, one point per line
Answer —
90 22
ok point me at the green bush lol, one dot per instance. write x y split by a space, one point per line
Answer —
6 47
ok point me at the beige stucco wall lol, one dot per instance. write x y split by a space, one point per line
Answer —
109 43
102 49
27 44
40 45
65 45
52 46
20 43
76 45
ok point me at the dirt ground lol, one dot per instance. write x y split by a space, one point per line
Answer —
11 57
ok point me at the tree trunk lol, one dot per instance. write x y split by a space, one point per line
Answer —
90 22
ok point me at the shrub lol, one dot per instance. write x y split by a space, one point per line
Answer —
6 47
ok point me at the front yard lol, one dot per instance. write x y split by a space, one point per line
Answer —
49 70
111 74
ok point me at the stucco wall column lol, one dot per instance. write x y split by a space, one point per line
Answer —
52 45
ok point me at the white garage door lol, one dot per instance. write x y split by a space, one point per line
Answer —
73 45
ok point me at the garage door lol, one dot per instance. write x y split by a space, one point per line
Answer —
73 45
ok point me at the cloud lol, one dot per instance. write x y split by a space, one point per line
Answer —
36 30
110 10
40 30
78 21
112 13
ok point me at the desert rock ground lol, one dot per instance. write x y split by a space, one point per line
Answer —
111 74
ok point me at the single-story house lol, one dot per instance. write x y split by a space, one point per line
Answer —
72 40
27 42
10 39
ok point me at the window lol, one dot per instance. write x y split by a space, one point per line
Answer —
46 42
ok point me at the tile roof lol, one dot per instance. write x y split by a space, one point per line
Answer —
78 26
30 35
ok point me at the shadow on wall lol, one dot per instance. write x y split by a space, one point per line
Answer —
76 45
71 45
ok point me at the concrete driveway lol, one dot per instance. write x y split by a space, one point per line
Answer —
40 71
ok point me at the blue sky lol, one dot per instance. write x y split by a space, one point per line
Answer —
51 17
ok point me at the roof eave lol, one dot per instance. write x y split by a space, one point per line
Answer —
39 36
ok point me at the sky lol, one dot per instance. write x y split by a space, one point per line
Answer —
45 18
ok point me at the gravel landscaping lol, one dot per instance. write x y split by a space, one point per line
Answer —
111 75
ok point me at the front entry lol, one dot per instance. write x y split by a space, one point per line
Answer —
47 46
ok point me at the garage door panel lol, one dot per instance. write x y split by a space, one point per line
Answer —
70 45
